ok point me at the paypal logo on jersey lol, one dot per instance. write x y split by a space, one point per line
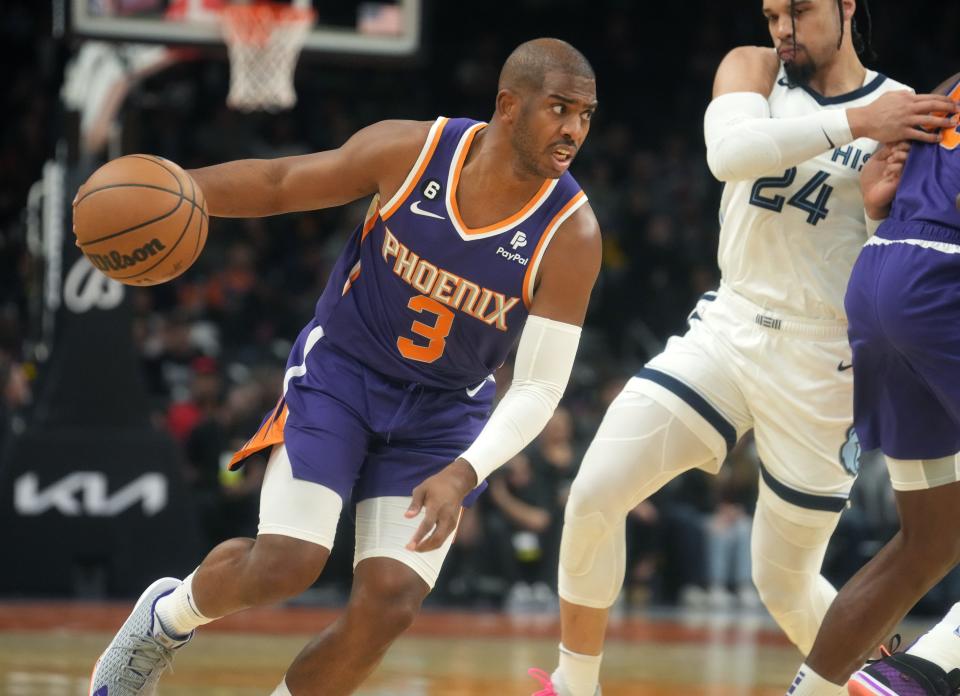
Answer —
519 240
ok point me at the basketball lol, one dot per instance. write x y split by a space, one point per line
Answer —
140 219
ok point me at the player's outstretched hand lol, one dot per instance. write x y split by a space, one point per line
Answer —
881 176
902 115
440 497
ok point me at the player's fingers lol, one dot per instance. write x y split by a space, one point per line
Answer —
893 150
935 102
881 153
932 122
438 536
898 157
416 502
426 526
921 136
891 173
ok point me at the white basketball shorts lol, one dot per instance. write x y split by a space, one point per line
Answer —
739 367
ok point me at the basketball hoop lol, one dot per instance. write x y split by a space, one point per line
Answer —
264 41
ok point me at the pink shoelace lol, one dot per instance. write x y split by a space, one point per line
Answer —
544 680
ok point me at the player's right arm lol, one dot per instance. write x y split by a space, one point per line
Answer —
375 159
545 355
744 141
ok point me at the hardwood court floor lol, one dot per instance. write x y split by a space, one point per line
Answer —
47 649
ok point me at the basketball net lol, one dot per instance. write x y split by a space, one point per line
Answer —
264 42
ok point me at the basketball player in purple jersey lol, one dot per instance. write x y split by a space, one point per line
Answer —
477 237
903 304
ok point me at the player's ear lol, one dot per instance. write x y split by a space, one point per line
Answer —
849 9
508 104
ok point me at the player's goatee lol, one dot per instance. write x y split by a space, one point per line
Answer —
799 73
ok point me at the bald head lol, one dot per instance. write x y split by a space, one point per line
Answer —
528 65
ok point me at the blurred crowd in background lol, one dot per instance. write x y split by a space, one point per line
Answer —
213 343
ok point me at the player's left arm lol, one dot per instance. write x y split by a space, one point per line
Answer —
545 355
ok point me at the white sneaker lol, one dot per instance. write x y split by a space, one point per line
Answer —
551 685
140 652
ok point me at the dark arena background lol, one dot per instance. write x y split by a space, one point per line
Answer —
119 406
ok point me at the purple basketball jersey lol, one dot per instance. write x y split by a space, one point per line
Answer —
903 305
931 179
388 383
422 298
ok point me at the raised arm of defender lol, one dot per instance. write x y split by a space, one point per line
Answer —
544 360
374 159
745 142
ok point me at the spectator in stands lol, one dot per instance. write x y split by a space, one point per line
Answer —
15 393
228 500
728 530
202 401
522 527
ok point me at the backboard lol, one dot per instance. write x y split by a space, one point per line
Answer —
387 28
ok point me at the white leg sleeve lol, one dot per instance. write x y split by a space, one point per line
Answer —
383 532
788 545
639 447
282 689
296 508
923 474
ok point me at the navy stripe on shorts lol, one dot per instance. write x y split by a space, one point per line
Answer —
695 401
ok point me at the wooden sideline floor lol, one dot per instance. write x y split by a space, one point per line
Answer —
48 649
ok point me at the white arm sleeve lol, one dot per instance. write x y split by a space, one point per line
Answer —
745 142
540 373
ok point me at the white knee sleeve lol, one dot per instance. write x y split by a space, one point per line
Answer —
788 546
639 447
593 557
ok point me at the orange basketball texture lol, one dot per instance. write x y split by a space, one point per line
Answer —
140 219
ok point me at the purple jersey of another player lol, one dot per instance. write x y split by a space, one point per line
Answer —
419 296
903 304
931 179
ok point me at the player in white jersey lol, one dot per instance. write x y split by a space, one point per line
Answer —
788 131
